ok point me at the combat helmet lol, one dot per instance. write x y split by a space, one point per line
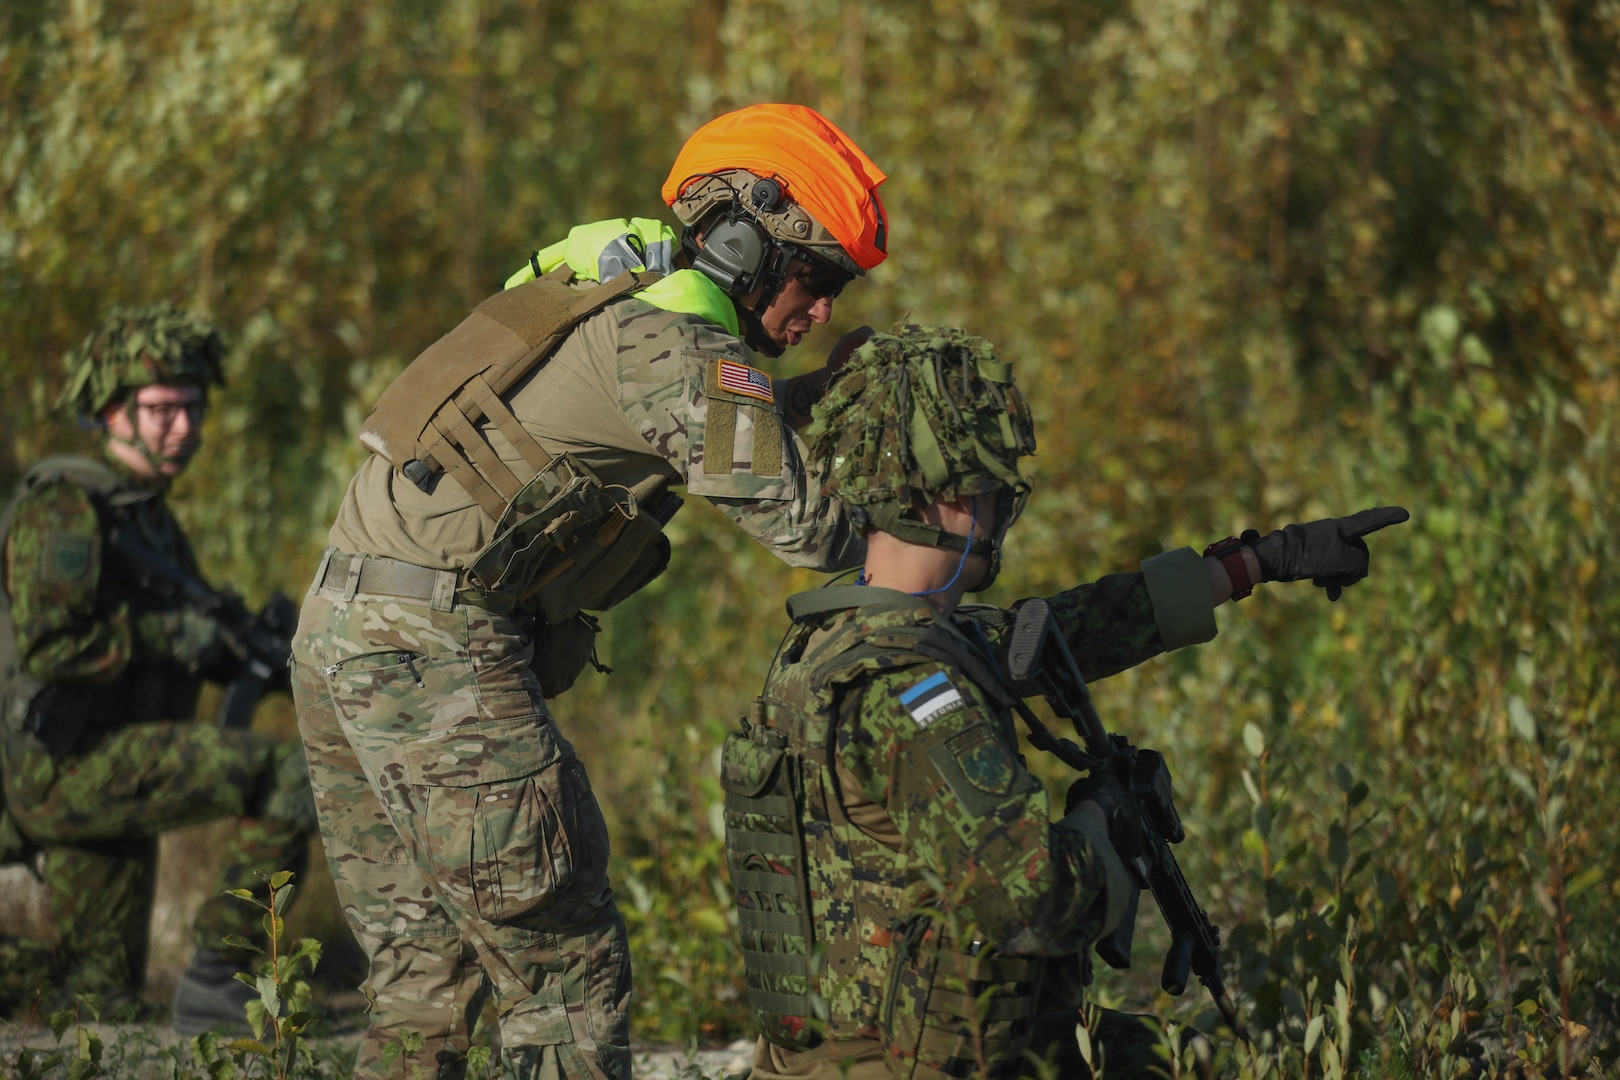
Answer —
138 346
924 415
768 183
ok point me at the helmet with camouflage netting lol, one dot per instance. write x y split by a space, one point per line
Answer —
919 416
139 346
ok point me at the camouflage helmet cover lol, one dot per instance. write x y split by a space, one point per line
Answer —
921 415
139 346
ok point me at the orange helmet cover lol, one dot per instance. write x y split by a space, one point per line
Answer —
819 167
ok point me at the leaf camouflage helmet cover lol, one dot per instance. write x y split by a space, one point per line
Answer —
922 415
139 346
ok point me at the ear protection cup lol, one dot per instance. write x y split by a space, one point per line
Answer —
733 254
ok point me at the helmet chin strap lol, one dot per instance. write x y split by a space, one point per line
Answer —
754 334
152 458
886 517
772 278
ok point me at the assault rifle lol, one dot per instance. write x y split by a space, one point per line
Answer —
1137 783
261 642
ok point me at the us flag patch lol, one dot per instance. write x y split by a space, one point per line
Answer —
742 379
931 699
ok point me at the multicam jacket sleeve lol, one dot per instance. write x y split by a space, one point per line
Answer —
687 387
65 629
923 744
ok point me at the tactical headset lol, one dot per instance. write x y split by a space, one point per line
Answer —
740 256
737 250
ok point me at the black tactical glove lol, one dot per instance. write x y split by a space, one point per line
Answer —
1330 552
1124 824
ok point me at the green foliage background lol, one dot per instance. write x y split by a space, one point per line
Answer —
1256 261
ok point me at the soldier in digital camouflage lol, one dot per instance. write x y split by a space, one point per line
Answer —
908 907
518 484
101 661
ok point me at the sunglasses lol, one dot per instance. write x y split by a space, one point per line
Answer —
819 278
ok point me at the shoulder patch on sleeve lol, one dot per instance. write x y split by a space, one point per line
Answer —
67 557
979 770
930 698
729 377
742 429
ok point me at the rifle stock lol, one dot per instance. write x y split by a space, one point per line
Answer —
1037 653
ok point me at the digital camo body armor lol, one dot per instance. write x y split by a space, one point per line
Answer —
843 935
112 676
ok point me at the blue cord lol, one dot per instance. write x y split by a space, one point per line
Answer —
972 528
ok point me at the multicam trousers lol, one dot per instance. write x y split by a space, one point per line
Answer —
96 813
467 847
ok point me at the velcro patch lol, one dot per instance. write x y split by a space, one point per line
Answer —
67 558
983 760
730 377
931 698
978 769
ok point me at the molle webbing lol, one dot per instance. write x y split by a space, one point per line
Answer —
766 857
975 1023
777 772
428 419
942 1012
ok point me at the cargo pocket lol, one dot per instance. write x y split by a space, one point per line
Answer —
500 818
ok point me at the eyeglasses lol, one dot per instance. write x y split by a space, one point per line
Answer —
821 279
166 412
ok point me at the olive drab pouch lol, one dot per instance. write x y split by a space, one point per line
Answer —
768 873
949 1012
569 543
562 650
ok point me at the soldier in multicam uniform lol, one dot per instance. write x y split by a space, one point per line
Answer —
520 482
907 907
100 672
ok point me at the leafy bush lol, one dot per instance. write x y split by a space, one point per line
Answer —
1256 263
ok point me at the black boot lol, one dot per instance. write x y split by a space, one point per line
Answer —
211 998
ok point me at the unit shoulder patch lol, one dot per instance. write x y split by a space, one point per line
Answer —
67 557
983 760
978 769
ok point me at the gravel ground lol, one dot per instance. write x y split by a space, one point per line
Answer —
138 1051
142 1051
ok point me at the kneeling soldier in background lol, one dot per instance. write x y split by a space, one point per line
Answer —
106 635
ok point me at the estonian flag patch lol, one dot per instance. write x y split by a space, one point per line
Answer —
931 699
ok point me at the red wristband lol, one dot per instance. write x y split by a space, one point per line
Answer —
1230 552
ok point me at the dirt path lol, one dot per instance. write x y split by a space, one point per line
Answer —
142 1051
